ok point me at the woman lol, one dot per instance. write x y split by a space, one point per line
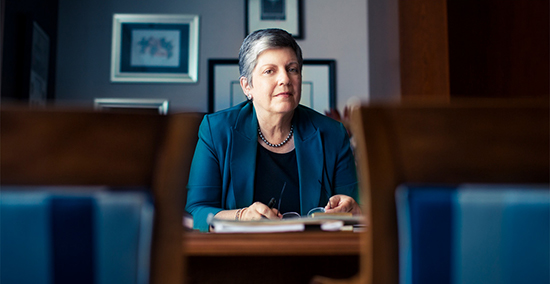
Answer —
270 147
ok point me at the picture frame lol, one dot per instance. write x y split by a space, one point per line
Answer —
153 106
318 84
40 56
283 14
155 48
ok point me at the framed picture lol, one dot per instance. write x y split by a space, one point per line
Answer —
283 14
155 48
318 84
38 88
156 106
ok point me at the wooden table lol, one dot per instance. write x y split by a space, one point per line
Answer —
271 257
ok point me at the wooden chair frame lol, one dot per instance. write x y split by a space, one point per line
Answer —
465 142
55 147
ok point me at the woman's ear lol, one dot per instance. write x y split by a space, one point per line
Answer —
246 87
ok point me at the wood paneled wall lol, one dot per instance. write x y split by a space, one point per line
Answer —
499 49
423 46
474 48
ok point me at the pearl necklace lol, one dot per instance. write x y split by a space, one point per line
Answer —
276 145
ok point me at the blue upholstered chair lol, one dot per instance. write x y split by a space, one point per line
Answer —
494 231
90 197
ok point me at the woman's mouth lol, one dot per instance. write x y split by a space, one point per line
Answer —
284 94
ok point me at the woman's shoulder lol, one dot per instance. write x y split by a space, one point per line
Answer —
317 119
331 130
225 117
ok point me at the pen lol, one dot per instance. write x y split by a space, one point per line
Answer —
271 203
281 197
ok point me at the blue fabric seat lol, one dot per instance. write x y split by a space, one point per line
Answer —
474 233
75 147
75 235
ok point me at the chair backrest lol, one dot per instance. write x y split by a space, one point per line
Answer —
55 147
466 142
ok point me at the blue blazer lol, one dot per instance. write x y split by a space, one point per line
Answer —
223 168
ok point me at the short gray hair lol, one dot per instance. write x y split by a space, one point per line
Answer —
261 40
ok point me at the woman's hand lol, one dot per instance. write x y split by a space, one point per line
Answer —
342 203
257 211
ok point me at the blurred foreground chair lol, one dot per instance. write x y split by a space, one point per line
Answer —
87 150
467 142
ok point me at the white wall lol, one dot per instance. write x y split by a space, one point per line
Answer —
333 29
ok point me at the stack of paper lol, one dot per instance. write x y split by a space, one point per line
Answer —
325 223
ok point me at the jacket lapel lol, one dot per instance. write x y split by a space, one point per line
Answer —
310 157
243 157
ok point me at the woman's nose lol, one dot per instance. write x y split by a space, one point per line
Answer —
284 78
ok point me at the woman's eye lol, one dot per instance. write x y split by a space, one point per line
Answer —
293 70
268 71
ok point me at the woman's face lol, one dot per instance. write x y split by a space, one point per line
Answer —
276 81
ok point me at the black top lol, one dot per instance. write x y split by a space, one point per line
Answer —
272 171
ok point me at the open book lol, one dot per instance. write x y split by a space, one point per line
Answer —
325 222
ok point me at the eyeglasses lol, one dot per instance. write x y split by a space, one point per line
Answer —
289 215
